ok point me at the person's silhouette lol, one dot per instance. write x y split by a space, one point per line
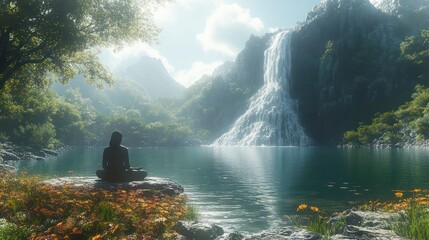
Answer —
115 158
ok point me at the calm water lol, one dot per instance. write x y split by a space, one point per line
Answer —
252 189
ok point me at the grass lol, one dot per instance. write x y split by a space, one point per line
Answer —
316 220
43 211
192 213
412 206
413 223
14 232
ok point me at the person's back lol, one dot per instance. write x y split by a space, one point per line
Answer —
115 158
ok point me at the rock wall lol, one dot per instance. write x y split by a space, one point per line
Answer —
346 66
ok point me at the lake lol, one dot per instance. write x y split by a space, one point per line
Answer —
254 188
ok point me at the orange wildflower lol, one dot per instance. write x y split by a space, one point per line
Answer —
314 209
301 207
96 237
399 194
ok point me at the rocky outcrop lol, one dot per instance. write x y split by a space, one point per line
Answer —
10 151
215 102
7 168
346 66
364 225
163 185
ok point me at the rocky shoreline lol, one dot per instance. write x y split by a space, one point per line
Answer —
409 139
11 152
350 224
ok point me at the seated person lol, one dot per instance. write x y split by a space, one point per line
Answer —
116 163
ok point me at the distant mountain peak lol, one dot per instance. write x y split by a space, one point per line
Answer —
400 7
151 74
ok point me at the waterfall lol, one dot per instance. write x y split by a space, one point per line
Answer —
271 118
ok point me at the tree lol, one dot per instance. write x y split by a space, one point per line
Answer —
41 38
415 49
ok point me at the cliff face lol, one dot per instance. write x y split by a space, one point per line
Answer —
216 101
346 64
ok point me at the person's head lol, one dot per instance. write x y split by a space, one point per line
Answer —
116 139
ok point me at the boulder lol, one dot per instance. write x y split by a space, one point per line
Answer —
354 232
288 232
163 185
193 230
365 225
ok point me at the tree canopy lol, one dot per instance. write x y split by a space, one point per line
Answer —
42 39
415 49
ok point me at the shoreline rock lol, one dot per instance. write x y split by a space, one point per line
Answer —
7 168
353 225
198 230
163 185
12 152
364 225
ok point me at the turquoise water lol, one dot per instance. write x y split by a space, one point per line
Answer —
254 188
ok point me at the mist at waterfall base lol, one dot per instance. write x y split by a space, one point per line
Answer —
271 118
254 188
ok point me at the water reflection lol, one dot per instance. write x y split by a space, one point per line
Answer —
251 189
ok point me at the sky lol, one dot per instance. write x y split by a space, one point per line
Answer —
199 35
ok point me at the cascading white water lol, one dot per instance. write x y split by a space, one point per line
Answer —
271 118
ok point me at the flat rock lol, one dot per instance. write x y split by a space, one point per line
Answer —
163 185
193 230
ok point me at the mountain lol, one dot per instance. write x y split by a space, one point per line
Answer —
345 66
214 102
151 74
400 8
136 87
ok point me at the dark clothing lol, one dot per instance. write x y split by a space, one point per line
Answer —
116 161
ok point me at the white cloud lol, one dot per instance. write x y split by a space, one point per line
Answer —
228 28
197 70
171 11
119 60
273 29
